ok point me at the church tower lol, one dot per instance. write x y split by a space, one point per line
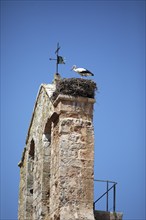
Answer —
56 168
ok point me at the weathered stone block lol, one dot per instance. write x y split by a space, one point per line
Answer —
103 215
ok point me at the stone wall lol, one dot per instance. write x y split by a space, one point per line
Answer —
56 168
22 186
72 158
35 166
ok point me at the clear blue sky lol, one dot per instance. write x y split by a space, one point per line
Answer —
106 37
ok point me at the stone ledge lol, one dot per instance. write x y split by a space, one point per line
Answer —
22 158
103 215
72 99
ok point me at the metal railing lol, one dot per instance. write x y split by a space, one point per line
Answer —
107 194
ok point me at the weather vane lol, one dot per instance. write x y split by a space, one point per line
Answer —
59 59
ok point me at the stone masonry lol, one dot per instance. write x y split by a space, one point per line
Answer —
35 162
72 157
56 168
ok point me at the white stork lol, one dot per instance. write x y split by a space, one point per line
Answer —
82 71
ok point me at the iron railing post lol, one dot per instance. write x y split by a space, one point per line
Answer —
114 198
107 196
93 206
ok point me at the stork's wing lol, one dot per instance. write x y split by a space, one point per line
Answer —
80 70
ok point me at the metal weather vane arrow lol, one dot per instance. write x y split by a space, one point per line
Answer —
59 59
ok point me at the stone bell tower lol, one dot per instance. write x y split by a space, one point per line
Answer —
56 168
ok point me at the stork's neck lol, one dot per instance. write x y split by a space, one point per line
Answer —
74 68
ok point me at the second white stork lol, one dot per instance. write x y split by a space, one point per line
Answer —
82 71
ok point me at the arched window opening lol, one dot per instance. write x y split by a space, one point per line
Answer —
46 141
47 132
32 150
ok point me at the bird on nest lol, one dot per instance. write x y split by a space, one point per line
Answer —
82 71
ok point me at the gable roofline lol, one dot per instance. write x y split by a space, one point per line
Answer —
49 89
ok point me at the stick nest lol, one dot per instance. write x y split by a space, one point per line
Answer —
75 87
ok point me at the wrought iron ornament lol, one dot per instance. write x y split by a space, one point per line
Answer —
59 59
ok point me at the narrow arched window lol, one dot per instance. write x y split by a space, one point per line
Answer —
32 150
47 132
46 142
